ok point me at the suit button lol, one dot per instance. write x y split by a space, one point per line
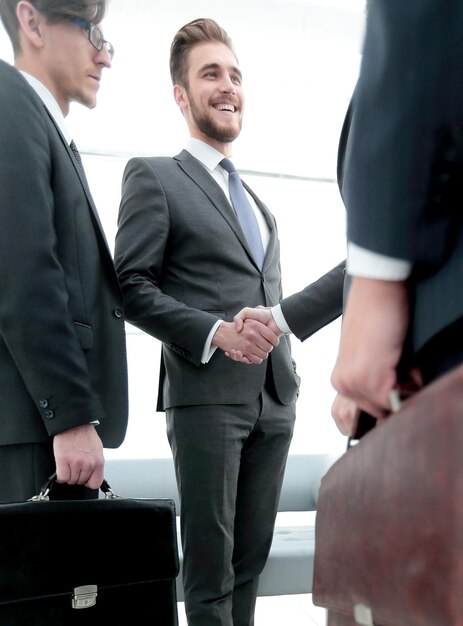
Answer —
49 414
117 312
43 403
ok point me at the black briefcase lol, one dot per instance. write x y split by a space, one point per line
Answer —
87 562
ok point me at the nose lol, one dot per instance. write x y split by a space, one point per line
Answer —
103 57
227 85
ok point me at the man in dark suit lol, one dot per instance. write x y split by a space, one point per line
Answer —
186 268
62 343
404 190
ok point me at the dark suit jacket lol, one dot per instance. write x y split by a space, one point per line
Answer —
403 182
62 340
317 305
183 264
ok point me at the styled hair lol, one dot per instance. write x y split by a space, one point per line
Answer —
54 11
197 31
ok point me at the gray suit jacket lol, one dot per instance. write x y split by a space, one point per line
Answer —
62 340
183 264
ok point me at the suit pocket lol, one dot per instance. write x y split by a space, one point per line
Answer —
85 334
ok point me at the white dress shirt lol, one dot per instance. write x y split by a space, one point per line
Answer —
210 158
368 264
50 102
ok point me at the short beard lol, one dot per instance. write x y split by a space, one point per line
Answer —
209 128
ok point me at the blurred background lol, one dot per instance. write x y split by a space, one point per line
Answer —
300 60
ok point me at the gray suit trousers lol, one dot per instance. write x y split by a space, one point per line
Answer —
230 462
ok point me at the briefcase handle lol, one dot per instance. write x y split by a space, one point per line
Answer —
45 489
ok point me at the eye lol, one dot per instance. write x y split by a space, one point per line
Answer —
236 79
210 74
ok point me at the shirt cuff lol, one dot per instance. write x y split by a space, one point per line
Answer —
279 319
368 264
209 350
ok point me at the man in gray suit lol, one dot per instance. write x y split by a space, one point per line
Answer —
63 385
186 268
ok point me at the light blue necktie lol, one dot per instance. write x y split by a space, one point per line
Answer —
244 212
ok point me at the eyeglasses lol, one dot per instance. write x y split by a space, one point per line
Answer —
95 36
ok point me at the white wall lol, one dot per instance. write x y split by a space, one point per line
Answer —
300 61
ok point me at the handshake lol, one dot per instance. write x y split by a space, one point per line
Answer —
250 337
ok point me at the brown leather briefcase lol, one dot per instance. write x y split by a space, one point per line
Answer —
389 526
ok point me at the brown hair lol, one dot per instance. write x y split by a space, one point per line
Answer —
54 11
197 31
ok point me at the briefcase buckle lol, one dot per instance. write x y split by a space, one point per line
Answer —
84 597
363 615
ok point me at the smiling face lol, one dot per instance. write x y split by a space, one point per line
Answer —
213 100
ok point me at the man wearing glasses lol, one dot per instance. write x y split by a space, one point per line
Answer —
63 382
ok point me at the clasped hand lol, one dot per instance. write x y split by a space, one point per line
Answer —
250 337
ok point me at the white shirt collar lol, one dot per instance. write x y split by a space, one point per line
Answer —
206 154
50 103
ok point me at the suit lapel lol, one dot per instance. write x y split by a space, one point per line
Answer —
201 177
84 183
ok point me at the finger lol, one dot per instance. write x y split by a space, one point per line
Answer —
63 471
246 361
239 323
374 402
234 355
262 349
261 335
341 427
269 335
94 480
253 359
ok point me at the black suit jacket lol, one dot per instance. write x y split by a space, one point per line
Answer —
62 340
317 305
183 264
403 182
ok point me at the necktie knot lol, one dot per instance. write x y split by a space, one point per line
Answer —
227 165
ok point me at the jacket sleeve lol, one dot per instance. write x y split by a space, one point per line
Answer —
317 305
143 242
403 169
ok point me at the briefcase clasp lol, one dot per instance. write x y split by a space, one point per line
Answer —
84 597
363 615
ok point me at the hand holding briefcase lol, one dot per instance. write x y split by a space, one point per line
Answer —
389 525
107 561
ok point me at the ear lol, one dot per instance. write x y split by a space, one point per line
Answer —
180 97
30 23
